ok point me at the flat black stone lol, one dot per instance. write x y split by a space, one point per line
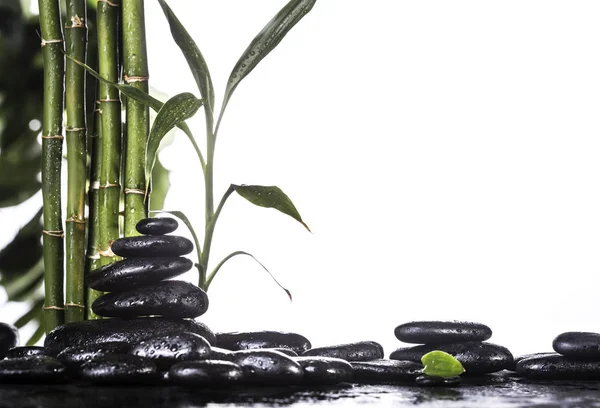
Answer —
35 369
169 298
207 373
425 380
557 367
476 357
26 351
262 339
75 357
286 351
524 356
119 369
132 331
266 367
359 351
9 338
583 345
385 371
157 226
325 370
426 332
217 353
135 272
167 349
160 246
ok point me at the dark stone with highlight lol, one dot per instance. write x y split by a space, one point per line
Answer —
425 380
385 371
119 369
262 339
9 338
35 369
524 356
159 246
266 367
168 349
206 373
325 370
26 351
557 367
217 353
359 351
157 226
427 332
75 357
581 345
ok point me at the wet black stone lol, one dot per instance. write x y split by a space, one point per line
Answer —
359 351
168 298
557 367
582 345
266 367
26 351
476 357
35 369
217 353
524 356
431 381
325 370
78 334
119 369
207 373
152 246
385 371
262 339
286 351
426 332
9 338
135 272
157 226
75 357
168 349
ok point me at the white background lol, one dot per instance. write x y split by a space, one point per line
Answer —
444 154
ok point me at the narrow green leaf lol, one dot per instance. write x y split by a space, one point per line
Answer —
231 255
177 109
441 364
37 335
270 197
192 54
186 221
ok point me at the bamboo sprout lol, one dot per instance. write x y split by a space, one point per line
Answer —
52 138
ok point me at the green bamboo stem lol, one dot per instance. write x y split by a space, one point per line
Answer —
110 106
135 73
52 139
75 38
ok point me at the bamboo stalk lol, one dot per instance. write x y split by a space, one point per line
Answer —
52 138
76 38
135 73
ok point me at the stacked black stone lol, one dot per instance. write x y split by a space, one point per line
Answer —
576 357
463 340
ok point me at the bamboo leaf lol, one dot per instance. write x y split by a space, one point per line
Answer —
192 55
270 197
177 109
236 253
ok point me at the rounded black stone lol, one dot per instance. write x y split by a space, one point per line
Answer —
217 353
157 226
426 332
266 367
325 370
169 298
558 367
425 380
168 349
35 369
262 339
75 357
385 371
132 331
119 369
26 351
476 357
582 345
359 351
207 373
286 351
152 246
9 338
524 356
135 272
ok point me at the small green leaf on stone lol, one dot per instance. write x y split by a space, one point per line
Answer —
441 364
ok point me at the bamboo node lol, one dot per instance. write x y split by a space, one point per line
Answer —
74 305
58 233
131 79
108 100
76 22
53 308
109 185
94 257
74 129
46 42
60 137
134 191
107 252
109 3
74 218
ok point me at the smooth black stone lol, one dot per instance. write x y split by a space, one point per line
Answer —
35 369
385 371
152 246
476 357
359 351
9 338
26 351
157 226
169 299
119 369
132 331
325 370
266 367
431 381
262 339
207 373
75 357
168 349
557 367
582 345
286 351
524 356
135 272
426 332
217 353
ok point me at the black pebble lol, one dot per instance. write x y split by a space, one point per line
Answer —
385 371
152 246
36 369
265 367
359 351
26 351
262 339
426 332
325 370
206 373
168 349
557 367
119 369
75 357
157 226
9 338
582 345
431 381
